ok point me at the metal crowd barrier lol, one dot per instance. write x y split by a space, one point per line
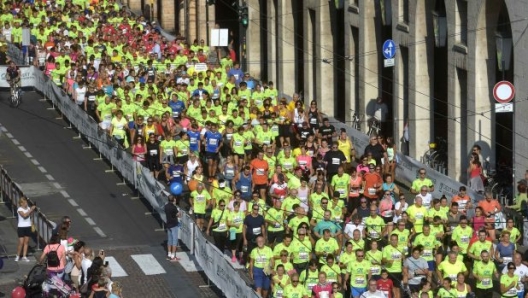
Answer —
10 195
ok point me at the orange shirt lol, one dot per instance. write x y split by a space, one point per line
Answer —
260 171
490 206
371 179
462 202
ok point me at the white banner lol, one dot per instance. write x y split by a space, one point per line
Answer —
27 76
186 231
218 269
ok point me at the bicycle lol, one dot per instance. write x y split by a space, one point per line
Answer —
15 97
436 156
356 121
374 127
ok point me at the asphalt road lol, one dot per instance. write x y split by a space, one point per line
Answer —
42 155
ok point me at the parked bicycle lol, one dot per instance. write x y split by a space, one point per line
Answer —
499 182
374 127
436 156
356 121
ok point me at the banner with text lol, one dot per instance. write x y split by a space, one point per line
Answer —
27 77
218 269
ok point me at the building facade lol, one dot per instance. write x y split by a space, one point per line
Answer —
449 55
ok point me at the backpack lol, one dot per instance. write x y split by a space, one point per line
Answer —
53 258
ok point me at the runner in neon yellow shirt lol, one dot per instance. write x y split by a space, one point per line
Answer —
474 251
484 271
462 234
359 273
295 289
451 267
260 266
200 199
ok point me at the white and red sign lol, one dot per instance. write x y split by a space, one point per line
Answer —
503 92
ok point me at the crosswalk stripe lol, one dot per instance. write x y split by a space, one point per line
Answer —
148 264
117 270
186 262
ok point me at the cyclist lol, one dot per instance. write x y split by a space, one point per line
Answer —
13 75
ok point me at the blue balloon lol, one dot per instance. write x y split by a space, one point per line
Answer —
176 188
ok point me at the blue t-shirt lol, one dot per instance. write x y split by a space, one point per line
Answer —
177 107
176 174
212 141
194 137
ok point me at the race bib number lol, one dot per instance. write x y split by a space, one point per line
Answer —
396 256
200 198
371 191
303 256
507 260
213 142
360 280
313 121
260 172
419 216
169 151
256 231
375 270
373 234
222 226
464 239
153 152
336 161
487 282
427 253
244 189
238 143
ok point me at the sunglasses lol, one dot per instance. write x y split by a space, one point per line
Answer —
511 268
256 209
222 205
295 281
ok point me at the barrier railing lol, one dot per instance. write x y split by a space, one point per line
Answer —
11 194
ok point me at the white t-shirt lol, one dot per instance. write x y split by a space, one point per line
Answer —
397 207
85 264
426 200
351 227
377 294
23 222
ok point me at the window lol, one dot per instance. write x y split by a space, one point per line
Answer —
461 25
403 11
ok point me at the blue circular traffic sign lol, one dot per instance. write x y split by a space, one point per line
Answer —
389 49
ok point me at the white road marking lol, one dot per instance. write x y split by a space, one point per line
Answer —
81 212
3 129
64 194
42 169
15 141
186 262
73 203
89 221
100 232
57 185
28 155
35 162
9 135
148 264
117 270
22 148
50 177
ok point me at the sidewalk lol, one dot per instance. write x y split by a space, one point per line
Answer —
13 272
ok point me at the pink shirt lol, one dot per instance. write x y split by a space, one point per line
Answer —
61 252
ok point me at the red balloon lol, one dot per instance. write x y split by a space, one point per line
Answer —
18 292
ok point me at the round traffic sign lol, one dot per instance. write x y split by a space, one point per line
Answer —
503 92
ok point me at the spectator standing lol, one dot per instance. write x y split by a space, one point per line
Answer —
173 226
23 228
